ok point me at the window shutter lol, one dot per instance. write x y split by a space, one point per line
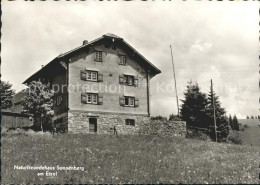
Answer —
136 81
136 102
122 101
54 100
100 77
83 98
121 79
83 75
100 99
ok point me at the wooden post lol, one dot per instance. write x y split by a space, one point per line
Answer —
175 83
214 112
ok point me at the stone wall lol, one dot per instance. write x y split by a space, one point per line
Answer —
78 122
165 128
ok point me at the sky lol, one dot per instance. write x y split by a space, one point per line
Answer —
209 39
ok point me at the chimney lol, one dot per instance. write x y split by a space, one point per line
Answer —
85 42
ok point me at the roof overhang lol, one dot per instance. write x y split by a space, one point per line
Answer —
152 69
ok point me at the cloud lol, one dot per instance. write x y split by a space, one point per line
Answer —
210 40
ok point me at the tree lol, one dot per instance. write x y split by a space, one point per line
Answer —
255 117
247 117
252 117
222 122
38 103
193 108
235 123
231 122
7 95
258 117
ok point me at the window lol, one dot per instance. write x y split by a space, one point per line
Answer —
98 56
92 98
59 100
130 122
92 75
128 80
122 59
128 101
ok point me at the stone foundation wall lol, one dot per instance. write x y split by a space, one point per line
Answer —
78 122
165 128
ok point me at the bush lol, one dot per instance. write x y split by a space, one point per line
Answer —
235 138
197 134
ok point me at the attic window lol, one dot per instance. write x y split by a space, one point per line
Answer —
98 56
122 59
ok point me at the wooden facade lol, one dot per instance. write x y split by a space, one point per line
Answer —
14 120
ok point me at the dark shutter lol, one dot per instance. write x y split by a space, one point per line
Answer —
83 75
54 100
100 77
100 99
121 79
122 101
136 81
83 98
136 102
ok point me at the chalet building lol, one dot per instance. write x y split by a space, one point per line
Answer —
13 118
100 85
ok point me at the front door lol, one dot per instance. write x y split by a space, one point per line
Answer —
92 124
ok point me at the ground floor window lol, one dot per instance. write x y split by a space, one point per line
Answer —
130 122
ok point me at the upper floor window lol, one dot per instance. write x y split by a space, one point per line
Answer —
128 80
122 59
91 75
98 56
59 99
91 98
129 101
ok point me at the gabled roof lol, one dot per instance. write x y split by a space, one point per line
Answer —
108 35
18 97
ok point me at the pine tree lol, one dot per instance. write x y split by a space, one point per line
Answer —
7 94
247 117
258 117
235 122
252 117
231 122
193 108
222 122
38 103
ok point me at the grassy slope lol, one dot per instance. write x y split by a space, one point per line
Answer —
251 135
128 159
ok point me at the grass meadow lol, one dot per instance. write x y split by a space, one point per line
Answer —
126 159
251 133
